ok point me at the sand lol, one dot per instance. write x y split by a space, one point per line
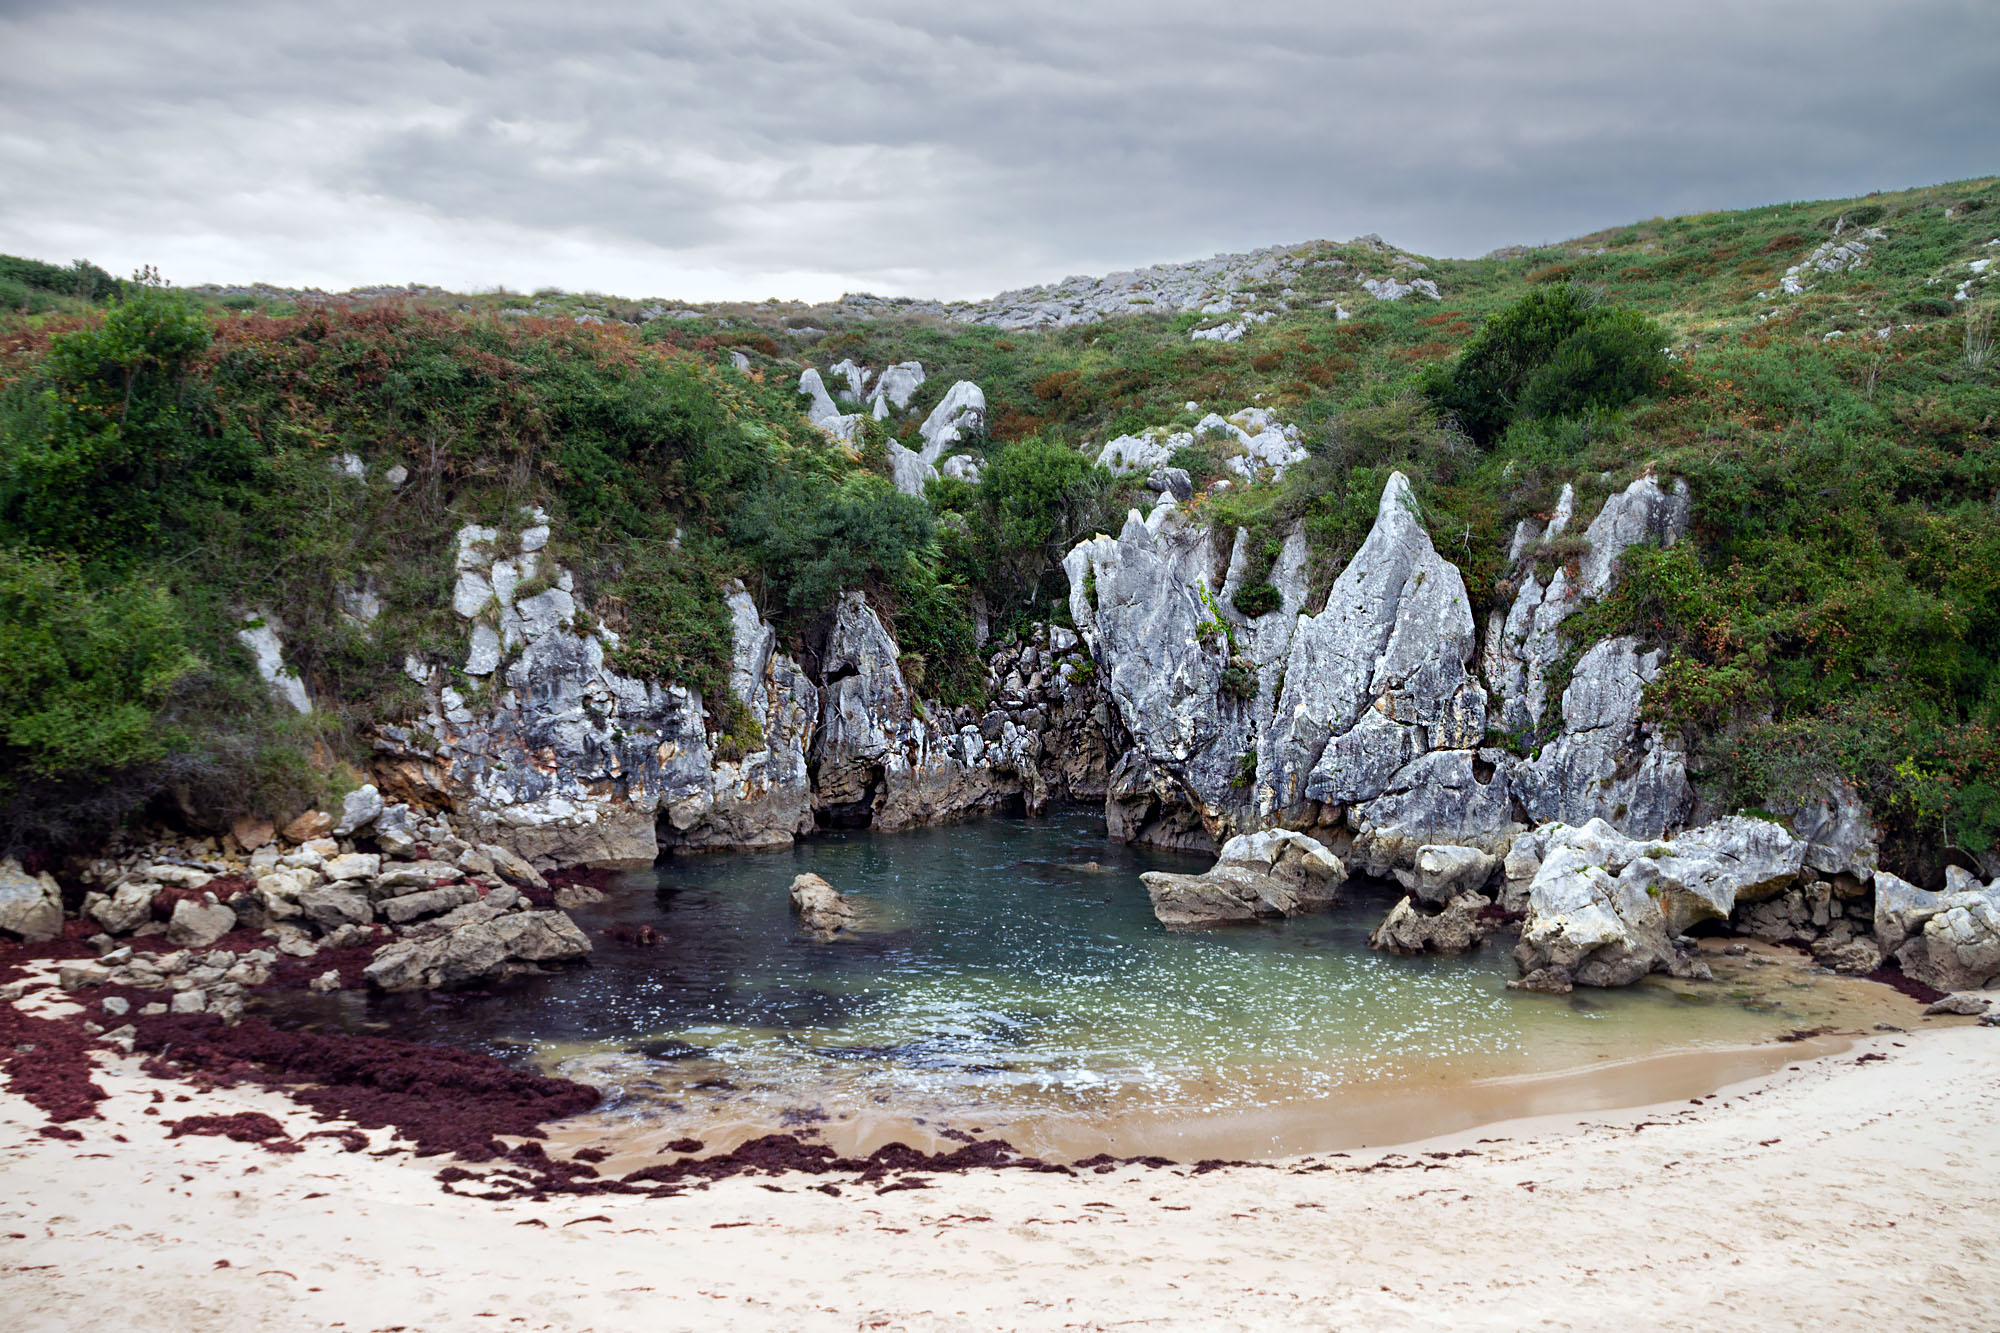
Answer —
1843 1192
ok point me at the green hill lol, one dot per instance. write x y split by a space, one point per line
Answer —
172 462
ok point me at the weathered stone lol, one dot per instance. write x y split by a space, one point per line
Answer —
426 902
312 824
1960 946
1854 956
198 924
1395 638
1607 764
1454 929
1962 1003
1901 909
1440 798
358 809
1228 893
476 952
252 831
30 905
1545 981
352 866
1597 907
330 908
1442 874
819 906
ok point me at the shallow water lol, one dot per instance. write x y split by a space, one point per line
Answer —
1007 977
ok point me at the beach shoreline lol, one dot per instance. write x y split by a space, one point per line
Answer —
1828 1193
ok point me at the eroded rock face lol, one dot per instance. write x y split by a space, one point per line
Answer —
1608 909
1394 639
1607 764
877 759
1958 946
761 792
1605 909
1455 928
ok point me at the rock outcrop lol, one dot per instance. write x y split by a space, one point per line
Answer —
1607 909
1267 874
1461 924
1377 678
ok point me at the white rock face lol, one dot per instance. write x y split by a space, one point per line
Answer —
822 413
1390 289
1607 764
910 470
1606 909
962 467
260 636
1395 638
895 387
957 419
1954 937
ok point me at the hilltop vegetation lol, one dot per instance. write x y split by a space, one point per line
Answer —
172 463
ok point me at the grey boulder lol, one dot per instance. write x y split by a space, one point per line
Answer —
30 905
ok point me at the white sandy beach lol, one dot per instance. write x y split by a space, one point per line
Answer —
1841 1193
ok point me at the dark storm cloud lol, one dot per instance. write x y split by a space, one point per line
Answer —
947 150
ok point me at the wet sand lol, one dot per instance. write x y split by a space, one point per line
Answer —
1837 1193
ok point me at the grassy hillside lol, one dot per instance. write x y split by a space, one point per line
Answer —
170 463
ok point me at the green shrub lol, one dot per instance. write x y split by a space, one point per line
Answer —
1554 352
1257 599
83 673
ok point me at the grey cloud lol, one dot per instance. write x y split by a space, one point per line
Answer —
916 147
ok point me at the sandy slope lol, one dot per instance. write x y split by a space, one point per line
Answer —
1837 1195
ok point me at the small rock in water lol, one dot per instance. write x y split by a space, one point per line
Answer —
1546 981
819 906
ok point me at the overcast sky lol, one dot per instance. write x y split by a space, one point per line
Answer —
802 148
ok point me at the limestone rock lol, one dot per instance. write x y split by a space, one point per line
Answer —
1853 957
1454 929
120 912
196 925
409 907
1600 903
30 905
1442 874
330 908
358 809
312 824
1606 764
477 952
1439 798
1901 909
819 906
895 387
1962 1003
352 866
1959 948
959 418
1395 637
1272 873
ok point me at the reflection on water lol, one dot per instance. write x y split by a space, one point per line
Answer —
1008 975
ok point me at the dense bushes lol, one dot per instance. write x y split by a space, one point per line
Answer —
83 672
1554 352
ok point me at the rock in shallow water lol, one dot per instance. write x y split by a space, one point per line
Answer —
1458 927
819 906
1273 873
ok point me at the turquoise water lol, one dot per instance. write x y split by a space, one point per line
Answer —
1008 975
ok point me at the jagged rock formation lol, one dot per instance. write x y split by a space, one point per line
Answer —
1193 679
